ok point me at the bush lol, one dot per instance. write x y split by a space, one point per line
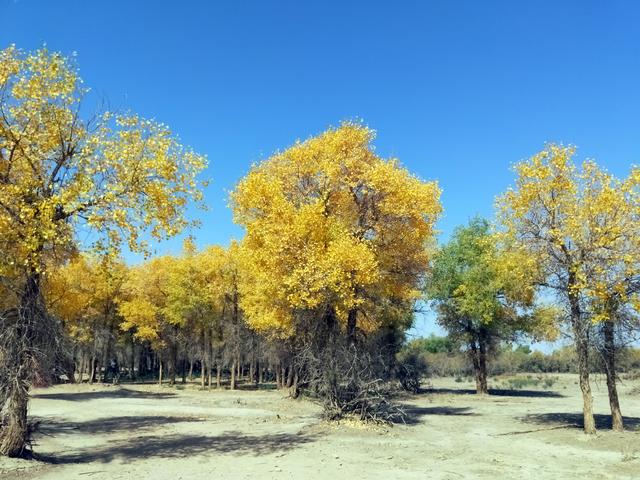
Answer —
411 369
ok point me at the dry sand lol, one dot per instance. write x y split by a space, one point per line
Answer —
147 432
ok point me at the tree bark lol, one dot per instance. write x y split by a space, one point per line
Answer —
218 376
132 360
81 369
290 377
609 348
233 376
482 362
294 391
580 332
478 359
278 379
20 357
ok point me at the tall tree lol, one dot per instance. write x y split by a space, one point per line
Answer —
118 175
82 294
482 295
333 228
576 223
336 247
144 307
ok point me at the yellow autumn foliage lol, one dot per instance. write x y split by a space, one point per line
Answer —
330 224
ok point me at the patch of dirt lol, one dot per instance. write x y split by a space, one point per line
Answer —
143 431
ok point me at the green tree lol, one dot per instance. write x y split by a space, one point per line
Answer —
479 296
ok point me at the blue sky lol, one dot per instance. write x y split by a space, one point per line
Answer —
457 90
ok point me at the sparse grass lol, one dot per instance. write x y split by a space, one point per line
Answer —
520 382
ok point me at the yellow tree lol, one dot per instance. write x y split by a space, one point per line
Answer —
196 300
334 228
116 175
144 308
83 293
576 223
612 284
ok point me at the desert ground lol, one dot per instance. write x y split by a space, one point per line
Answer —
144 431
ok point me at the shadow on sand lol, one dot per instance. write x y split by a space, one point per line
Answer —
113 393
576 420
182 446
413 415
495 392
108 425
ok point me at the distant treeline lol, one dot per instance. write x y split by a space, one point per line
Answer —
440 356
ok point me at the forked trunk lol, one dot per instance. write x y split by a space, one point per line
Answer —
479 361
608 353
580 332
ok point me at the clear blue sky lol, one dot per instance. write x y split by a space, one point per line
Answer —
458 90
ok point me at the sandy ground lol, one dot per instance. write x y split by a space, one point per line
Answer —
147 432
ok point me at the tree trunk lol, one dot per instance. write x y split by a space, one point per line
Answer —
352 318
278 379
14 434
482 363
24 340
580 331
260 374
290 377
81 369
294 391
160 372
233 376
202 374
132 361
190 376
617 423
478 359
218 376
172 364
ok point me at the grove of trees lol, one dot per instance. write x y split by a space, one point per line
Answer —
339 252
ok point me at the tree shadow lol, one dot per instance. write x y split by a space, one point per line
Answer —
413 415
108 425
183 446
497 392
115 393
576 420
